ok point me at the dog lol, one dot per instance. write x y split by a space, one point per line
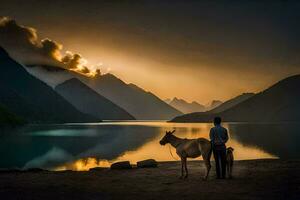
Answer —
229 161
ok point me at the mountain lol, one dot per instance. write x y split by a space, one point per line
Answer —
51 75
217 106
7 118
278 103
167 100
232 102
139 103
31 99
213 104
186 107
88 101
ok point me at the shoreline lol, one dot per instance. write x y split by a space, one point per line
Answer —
252 179
134 166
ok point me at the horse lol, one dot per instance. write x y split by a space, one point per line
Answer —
189 148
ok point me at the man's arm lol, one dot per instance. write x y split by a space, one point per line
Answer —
225 135
211 135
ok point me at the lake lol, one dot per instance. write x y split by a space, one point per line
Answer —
83 146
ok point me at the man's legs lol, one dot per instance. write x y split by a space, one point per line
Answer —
223 162
217 161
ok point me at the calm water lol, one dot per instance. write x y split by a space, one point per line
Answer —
82 146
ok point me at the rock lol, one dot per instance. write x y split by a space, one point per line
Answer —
65 171
96 169
149 163
121 165
35 170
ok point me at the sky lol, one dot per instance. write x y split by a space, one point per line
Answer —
195 50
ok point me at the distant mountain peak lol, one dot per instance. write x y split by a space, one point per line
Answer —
73 81
278 103
89 101
186 107
175 99
167 100
110 75
110 78
231 102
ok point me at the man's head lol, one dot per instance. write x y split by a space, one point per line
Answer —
217 121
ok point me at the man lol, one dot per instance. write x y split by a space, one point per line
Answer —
219 136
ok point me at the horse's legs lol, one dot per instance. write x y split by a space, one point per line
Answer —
182 162
186 170
208 166
206 158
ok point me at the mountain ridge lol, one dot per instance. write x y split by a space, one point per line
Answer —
31 99
88 101
231 102
143 105
185 107
280 102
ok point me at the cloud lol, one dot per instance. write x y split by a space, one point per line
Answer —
97 72
76 62
72 61
51 48
24 45
13 34
85 70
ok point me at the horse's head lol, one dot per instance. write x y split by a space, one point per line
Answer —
166 138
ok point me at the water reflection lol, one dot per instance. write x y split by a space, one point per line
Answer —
280 139
82 146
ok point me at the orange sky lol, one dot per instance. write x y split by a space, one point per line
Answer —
192 50
203 84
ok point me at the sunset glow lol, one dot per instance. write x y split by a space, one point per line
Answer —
171 58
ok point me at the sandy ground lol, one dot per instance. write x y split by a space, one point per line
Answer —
255 179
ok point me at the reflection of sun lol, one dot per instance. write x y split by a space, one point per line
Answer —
242 152
155 151
162 153
84 164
